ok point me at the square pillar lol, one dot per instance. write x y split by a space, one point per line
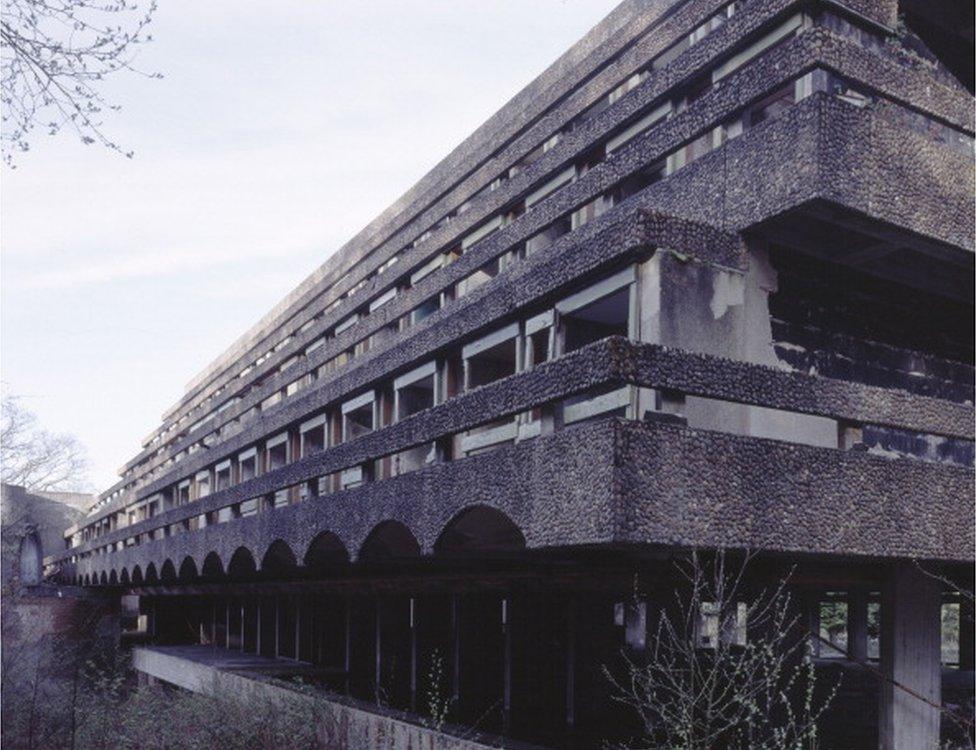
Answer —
911 642
857 625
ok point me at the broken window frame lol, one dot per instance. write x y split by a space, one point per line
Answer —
601 402
424 454
503 430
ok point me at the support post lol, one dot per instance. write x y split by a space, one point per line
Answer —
911 657
507 667
456 648
257 630
277 621
967 634
298 627
378 674
413 654
857 624
347 656
571 664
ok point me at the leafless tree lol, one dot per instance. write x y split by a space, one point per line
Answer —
703 684
35 458
56 54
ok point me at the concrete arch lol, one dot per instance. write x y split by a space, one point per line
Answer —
86 580
103 579
478 530
113 578
242 565
188 570
151 575
278 559
326 552
389 540
124 577
213 567
167 574
137 574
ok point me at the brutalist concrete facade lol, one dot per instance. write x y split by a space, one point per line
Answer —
707 283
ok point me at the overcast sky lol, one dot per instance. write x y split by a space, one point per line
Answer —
279 130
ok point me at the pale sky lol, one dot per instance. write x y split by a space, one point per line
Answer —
279 130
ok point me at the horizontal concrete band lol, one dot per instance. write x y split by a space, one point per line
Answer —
605 363
819 46
615 238
617 481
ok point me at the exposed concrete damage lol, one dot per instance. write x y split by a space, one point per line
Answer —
706 284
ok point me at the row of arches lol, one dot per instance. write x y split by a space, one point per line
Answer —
475 531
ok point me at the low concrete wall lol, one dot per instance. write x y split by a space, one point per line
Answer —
344 725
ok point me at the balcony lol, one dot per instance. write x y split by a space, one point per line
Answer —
608 480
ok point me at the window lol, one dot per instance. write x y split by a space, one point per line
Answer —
277 451
425 310
249 507
590 211
247 465
312 434
412 393
538 339
717 624
203 484
642 125
491 358
387 296
479 278
641 179
358 416
597 312
779 35
485 361
346 324
481 232
550 187
222 479
548 235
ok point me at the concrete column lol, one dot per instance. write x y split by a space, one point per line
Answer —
506 666
347 656
413 654
811 606
378 674
857 624
571 664
967 635
456 647
910 656
277 623
257 629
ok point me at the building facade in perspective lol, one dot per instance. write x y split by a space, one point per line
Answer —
706 283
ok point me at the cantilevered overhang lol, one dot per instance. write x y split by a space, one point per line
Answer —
614 482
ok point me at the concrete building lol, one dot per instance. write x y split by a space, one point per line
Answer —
706 283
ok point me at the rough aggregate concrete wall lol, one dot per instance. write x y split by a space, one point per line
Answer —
696 488
621 481
603 363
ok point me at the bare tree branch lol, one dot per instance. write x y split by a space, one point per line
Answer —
55 56
35 458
